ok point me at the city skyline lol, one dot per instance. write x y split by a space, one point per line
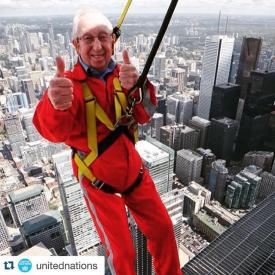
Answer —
68 7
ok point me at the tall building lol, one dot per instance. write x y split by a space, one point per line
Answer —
225 100
273 168
170 135
195 197
189 138
244 191
267 186
181 77
233 194
203 126
32 133
221 137
261 159
208 158
173 201
247 247
28 89
143 257
181 106
14 132
188 165
4 237
46 228
161 108
156 123
157 163
218 180
159 67
26 203
250 52
215 69
34 152
252 133
269 143
171 153
81 230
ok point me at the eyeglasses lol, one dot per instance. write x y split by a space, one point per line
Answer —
102 38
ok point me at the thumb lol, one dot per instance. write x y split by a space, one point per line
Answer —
125 56
60 65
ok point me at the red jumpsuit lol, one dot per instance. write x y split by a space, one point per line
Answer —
118 166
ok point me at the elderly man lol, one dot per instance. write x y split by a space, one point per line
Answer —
84 109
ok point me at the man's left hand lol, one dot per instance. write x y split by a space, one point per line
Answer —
128 74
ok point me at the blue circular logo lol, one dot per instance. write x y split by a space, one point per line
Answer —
25 265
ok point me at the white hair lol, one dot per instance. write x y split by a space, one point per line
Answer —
89 18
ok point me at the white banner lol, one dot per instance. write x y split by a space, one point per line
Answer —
53 265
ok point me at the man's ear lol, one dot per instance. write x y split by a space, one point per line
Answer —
76 45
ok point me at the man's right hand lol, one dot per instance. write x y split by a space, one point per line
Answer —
60 91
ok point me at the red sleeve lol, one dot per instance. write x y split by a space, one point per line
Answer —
54 125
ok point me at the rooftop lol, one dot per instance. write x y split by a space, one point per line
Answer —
42 221
25 193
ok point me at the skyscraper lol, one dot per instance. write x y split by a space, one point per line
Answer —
156 123
215 71
4 244
170 135
208 158
181 106
47 228
188 165
250 52
173 201
159 67
189 138
233 194
14 132
181 77
26 203
28 89
218 180
171 153
245 191
221 137
157 163
203 126
267 185
261 159
247 247
32 133
82 233
225 100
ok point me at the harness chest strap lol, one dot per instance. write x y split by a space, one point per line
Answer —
94 111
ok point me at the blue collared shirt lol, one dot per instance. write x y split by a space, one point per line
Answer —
93 72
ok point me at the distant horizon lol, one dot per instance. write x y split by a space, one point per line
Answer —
142 14
19 8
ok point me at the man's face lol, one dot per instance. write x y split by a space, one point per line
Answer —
95 47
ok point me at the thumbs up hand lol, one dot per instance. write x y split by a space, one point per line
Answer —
60 91
128 74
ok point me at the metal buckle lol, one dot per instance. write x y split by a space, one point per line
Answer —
124 120
101 184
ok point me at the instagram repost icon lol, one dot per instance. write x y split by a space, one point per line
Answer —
24 265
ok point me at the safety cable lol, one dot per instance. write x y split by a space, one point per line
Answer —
142 78
116 29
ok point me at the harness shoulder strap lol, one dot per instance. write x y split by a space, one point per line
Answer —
94 111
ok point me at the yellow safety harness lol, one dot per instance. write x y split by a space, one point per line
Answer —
94 111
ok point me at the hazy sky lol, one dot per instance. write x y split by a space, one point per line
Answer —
38 7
